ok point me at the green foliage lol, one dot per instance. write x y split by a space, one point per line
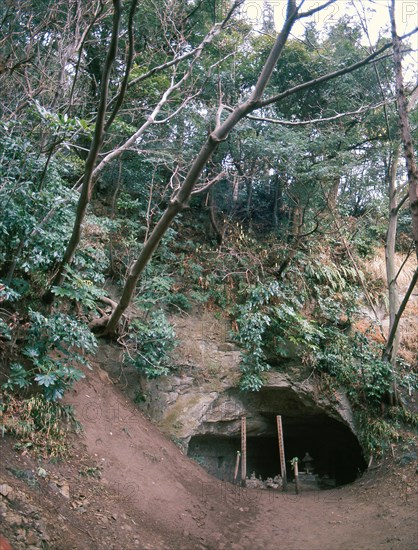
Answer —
5 332
376 434
406 376
403 415
323 273
35 207
270 320
355 363
39 425
8 294
149 344
272 327
80 290
55 347
62 125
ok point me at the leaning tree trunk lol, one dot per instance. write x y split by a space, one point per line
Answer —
180 199
219 134
96 144
405 129
391 274
391 338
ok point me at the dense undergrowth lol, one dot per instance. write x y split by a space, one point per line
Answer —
310 314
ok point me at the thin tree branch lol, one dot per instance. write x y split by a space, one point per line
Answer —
209 184
403 263
401 203
329 76
359 111
124 86
316 9
389 344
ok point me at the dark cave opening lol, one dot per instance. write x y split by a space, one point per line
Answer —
336 451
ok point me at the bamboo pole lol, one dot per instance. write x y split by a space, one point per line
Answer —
296 470
237 465
243 449
281 451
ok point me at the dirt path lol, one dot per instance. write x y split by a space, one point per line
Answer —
189 508
162 488
348 518
150 496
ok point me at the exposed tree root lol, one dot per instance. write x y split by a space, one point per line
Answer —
98 325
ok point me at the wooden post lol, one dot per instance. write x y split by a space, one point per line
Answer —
243 450
296 470
281 451
237 466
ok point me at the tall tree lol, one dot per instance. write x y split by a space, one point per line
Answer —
218 135
412 173
405 129
92 167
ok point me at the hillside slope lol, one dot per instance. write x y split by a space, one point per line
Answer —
150 496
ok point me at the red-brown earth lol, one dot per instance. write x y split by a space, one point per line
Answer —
126 486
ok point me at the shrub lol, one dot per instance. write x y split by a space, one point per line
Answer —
149 344
38 424
55 347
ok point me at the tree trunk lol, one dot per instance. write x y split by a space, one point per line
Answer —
405 129
276 203
333 194
249 206
212 217
96 144
296 223
390 244
182 196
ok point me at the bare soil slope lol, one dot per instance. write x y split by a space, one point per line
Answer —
150 496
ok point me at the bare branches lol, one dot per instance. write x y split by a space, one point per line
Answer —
140 132
187 55
175 85
359 111
208 184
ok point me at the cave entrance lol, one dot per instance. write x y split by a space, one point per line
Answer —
337 454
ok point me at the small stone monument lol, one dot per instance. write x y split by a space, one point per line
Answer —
307 479
253 482
307 461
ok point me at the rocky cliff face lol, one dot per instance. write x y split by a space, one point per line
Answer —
200 406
